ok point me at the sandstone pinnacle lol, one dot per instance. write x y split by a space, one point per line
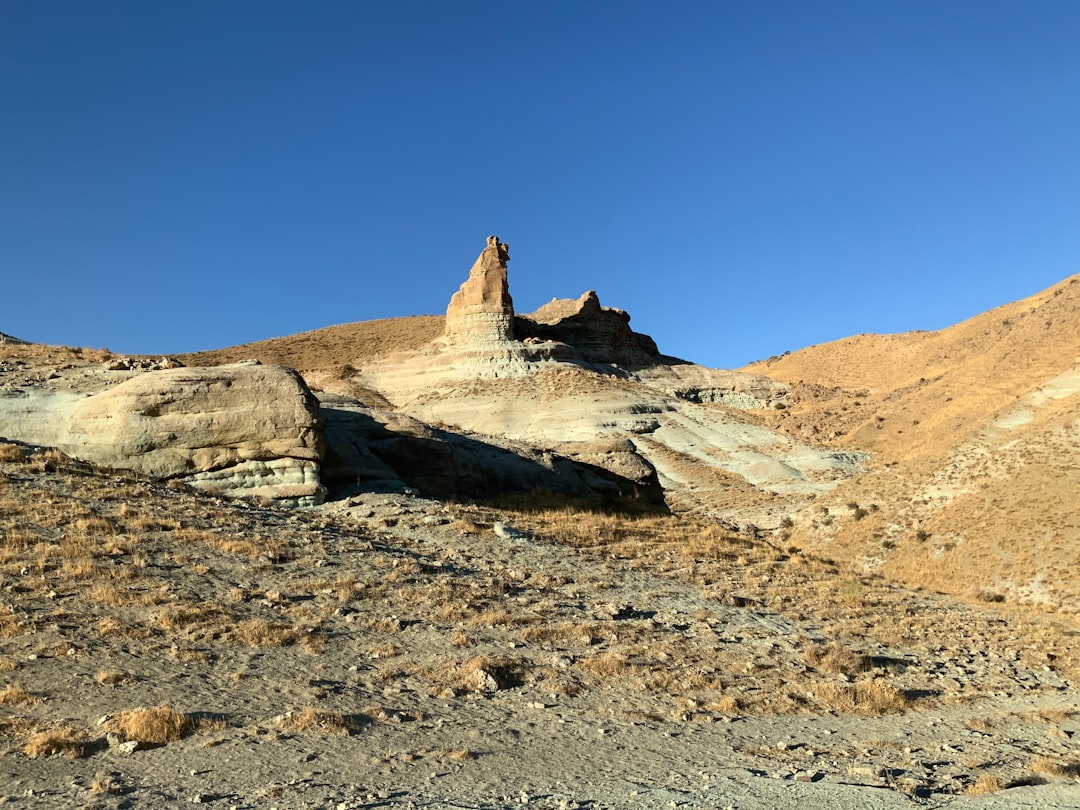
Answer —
482 311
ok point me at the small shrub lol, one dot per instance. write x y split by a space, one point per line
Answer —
71 742
835 658
987 783
13 694
1048 766
869 697
156 726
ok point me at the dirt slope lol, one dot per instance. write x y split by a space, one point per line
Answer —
975 435
332 348
392 651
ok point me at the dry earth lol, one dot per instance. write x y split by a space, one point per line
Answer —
393 651
974 433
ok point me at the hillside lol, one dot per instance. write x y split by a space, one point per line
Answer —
332 348
973 430
556 568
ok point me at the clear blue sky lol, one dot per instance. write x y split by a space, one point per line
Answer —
744 178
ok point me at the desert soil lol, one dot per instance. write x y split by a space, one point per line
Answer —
390 651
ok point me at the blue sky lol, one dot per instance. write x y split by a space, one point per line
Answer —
745 178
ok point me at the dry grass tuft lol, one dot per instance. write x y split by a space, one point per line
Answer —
869 697
261 633
156 726
66 740
11 454
15 694
8 665
459 755
108 677
607 667
1047 766
987 783
312 719
837 659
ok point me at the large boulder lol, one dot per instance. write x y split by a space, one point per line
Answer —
242 429
482 311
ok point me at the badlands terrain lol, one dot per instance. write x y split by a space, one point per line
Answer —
499 560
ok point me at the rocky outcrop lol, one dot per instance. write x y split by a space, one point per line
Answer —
9 339
243 429
598 334
481 311
376 449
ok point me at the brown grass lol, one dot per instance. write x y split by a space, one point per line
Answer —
14 694
108 677
1048 766
607 667
310 719
263 633
837 659
987 783
67 740
156 726
870 697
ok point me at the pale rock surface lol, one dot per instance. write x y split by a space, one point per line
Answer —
243 429
377 449
573 378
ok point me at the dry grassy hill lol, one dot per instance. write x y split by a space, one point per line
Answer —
332 348
973 428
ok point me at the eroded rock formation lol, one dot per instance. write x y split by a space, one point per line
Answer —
243 429
481 311
598 334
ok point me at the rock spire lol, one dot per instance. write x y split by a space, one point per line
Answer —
482 311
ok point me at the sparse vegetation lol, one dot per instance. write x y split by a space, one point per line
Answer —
156 726
310 719
67 740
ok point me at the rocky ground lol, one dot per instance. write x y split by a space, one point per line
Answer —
394 651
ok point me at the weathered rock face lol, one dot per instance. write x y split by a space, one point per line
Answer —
599 334
242 429
9 339
481 311
371 448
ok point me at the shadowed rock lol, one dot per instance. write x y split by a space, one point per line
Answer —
597 334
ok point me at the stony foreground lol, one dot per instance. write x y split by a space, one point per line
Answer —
162 646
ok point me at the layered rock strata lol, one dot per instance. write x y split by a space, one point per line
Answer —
482 311
597 334
242 429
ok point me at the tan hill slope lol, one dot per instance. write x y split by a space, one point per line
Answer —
331 348
975 434
908 394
